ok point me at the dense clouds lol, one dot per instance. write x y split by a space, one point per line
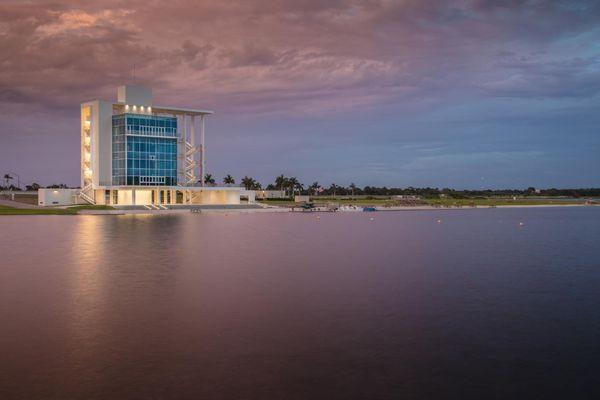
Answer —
472 94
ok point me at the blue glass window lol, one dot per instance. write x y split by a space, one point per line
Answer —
144 150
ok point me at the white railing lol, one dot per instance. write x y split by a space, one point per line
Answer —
87 194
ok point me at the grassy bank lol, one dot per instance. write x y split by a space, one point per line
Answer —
6 210
500 202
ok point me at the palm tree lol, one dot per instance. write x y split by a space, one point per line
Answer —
352 187
281 182
293 184
333 187
208 179
250 184
314 187
7 179
228 180
247 182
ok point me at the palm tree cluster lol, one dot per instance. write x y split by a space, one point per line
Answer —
250 183
289 185
32 187
292 186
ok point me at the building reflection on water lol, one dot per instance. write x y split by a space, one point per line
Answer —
122 283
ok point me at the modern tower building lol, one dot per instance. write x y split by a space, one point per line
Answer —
134 152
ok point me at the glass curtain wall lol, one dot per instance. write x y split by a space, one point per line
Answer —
144 150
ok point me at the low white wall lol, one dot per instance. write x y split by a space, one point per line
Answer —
300 199
56 197
250 194
270 194
218 197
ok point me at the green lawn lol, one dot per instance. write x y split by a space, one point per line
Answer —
6 210
90 207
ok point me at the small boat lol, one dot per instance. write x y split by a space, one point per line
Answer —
307 207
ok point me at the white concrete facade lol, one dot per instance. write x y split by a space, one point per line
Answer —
57 197
270 194
96 143
166 195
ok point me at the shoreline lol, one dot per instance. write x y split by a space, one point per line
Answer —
35 210
289 210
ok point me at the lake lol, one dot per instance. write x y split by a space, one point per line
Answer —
387 305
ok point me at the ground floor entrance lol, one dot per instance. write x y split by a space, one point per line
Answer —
123 196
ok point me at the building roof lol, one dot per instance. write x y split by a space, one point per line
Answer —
177 110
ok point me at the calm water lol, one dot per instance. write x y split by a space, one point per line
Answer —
278 306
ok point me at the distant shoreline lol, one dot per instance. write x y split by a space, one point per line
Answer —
284 210
27 204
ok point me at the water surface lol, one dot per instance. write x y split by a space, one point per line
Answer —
288 306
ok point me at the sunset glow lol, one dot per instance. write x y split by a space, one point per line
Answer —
374 92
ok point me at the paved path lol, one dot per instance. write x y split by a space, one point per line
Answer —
16 204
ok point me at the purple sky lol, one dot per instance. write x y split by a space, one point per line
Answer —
464 94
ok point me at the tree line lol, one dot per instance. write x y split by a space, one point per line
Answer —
291 186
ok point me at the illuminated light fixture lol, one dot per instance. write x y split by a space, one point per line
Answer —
55 191
134 108
88 172
87 122
87 140
142 108
126 106
87 156
149 110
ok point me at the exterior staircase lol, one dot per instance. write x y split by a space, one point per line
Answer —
87 194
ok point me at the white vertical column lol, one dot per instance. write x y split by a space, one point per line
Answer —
184 120
193 143
202 152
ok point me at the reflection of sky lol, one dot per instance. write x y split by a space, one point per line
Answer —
384 93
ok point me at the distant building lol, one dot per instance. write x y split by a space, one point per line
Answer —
270 194
134 152
301 199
